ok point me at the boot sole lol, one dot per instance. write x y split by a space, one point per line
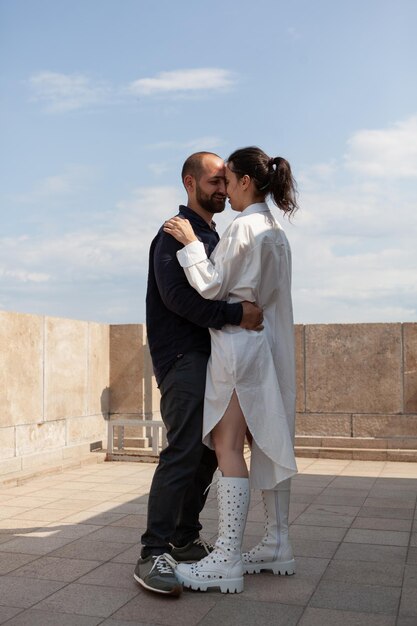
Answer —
230 585
284 568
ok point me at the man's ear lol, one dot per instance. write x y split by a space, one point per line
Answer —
189 183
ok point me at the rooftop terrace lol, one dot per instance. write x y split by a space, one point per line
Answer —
69 542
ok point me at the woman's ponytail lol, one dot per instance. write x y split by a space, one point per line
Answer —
271 176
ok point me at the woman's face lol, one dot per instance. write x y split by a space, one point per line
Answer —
234 190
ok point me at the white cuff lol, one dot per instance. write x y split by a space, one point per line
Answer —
191 254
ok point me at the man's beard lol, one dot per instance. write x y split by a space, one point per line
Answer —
212 204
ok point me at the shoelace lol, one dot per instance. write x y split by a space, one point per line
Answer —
164 563
204 544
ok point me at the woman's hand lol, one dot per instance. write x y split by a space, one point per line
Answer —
181 229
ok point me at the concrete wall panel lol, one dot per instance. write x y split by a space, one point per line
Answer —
352 368
21 355
126 368
66 343
410 368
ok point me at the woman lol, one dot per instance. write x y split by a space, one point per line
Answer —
250 377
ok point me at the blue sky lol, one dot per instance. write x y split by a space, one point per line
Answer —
102 101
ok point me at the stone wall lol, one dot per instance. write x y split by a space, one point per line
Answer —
54 382
61 380
357 380
355 383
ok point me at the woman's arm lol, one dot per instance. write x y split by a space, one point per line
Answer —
214 281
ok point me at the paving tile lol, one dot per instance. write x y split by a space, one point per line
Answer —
10 526
410 576
188 610
412 556
112 575
267 587
362 598
413 539
118 622
324 533
408 606
35 545
90 600
365 573
336 499
333 509
330 617
381 537
10 561
386 512
75 531
130 555
306 547
34 617
7 512
311 568
378 523
89 517
394 493
7 612
25 592
371 553
390 502
329 519
116 533
90 550
350 482
54 568
31 501
405 621
239 612
70 505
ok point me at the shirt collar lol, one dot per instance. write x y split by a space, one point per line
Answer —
258 207
192 216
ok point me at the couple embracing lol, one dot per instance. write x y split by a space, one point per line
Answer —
220 331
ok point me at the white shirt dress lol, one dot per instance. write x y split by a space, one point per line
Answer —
252 261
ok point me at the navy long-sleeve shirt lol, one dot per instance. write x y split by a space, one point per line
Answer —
177 317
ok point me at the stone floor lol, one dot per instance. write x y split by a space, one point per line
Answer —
69 542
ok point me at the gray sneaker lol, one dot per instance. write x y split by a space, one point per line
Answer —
193 551
156 573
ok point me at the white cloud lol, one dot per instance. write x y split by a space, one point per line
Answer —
73 180
385 153
67 92
183 81
60 93
24 276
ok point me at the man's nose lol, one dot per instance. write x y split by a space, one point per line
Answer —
222 187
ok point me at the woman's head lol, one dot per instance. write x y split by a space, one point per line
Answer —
252 172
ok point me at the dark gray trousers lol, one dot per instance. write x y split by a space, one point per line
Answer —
186 466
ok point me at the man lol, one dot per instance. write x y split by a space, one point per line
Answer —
178 319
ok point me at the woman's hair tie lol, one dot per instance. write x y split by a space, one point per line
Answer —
272 163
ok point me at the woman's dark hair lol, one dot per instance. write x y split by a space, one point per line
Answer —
271 176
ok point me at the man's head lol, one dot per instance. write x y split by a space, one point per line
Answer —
203 176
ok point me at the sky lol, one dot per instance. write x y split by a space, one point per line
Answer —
101 101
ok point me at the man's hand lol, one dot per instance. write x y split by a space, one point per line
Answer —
252 317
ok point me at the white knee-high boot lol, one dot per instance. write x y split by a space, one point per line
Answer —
223 567
274 553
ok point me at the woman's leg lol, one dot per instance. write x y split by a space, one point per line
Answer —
228 437
223 567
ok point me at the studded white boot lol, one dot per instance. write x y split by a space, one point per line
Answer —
274 553
223 567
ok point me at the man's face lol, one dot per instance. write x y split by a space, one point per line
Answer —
211 186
